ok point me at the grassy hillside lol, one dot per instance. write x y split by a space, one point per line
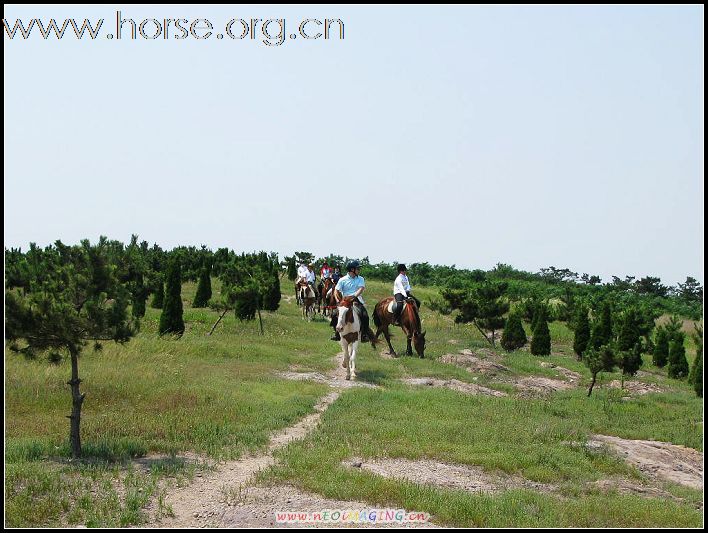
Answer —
218 397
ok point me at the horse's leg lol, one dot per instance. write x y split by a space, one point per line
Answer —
387 336
352 359
409 350
345 352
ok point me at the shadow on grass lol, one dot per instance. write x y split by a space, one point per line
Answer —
375 377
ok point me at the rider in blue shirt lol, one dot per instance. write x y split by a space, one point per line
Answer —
353 285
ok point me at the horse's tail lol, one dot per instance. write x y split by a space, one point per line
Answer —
377 318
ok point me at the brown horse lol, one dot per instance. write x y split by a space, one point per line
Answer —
410 323
328 302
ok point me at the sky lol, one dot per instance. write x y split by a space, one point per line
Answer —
532 136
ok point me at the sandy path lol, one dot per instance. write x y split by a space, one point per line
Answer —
224 497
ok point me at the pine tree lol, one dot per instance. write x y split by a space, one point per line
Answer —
541 340
582 331
272 295
292 268
678 365
481 305
491 307
158 297
204 288
598 360
73 297
514 336
630 361
695 378
171 320
250 284
602 328
629 334
660 357
139 296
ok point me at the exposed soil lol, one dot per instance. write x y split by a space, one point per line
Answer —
572 376
331 380
637 388
626 486
475 479
533 386
454 384
474 363
483 362
659 460
451 476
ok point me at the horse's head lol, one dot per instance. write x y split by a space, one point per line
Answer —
419 343
345 310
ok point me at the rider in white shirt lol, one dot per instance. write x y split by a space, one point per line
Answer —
310 276
302 273
402 291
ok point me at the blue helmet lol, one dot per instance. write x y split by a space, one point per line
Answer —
351 265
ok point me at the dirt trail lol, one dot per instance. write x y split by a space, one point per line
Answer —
223 497
203 502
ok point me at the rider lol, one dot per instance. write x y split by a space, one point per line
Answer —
311 277
325 271
402 291
353 285
301 273
336 275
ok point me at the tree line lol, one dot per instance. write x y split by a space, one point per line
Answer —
609 333
61 299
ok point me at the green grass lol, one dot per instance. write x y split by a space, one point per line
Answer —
219 396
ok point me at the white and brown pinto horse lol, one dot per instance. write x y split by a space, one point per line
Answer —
349 328
409 322
307 299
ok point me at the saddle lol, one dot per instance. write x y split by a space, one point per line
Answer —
392 305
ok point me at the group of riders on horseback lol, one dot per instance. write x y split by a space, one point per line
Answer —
335 292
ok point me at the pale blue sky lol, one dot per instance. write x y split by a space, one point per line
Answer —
533 136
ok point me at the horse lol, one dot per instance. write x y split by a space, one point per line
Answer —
307 298
327 299
410 323
349 328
